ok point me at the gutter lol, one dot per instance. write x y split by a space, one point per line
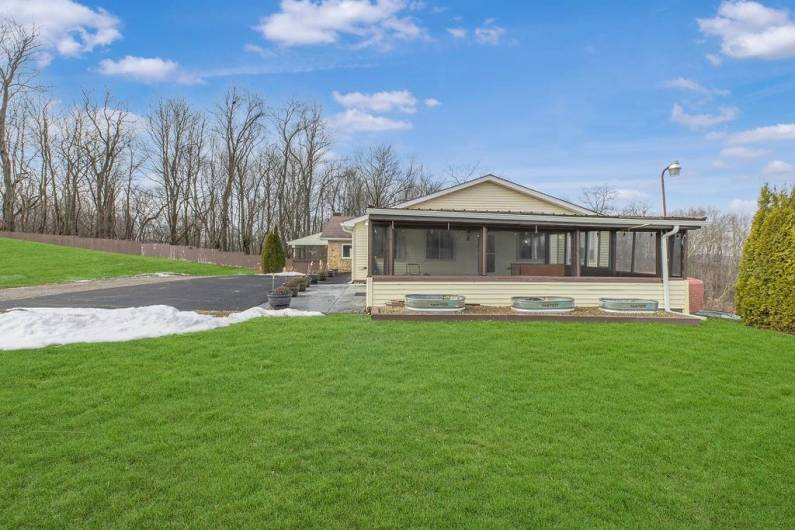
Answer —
539 219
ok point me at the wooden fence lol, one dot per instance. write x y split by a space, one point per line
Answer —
135 248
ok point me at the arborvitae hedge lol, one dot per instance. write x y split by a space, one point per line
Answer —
766 282
272 253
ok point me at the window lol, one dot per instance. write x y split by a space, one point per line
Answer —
346 251
438 244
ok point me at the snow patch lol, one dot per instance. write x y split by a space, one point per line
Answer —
38 327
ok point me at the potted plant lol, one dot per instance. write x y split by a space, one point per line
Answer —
303 283
294 286
279 298
313 277
322 276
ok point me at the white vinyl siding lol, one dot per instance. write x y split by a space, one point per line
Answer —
488 196
359 251
498 293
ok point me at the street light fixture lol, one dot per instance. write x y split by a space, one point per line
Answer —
673 169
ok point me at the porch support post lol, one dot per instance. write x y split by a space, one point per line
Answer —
613 238
370 257
484 234
390 249
575 250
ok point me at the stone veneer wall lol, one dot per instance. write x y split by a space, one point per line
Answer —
335 259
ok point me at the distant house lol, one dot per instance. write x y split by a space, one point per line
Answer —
490 239
331 246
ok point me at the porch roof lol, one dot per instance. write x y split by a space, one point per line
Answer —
308 241
552 220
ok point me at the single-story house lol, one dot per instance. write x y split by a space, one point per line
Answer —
490 239
331 246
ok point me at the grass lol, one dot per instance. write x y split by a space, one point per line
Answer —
345 422
28 263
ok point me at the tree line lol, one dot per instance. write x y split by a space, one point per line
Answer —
219 178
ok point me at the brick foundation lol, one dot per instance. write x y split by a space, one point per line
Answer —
696 293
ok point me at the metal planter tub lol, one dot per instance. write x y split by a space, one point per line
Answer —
542 304
435 303
628 305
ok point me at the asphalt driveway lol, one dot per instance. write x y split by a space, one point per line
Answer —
220 293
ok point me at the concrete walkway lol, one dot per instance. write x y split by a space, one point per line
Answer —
339 298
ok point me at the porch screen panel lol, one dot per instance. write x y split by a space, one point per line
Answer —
595 249
379 249
558 249
675 242
437 251
645 253
636 252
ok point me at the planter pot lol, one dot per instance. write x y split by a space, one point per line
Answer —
302 285
331 273
542 304
294 290
435 303
313 278
322 277
627 305
278 301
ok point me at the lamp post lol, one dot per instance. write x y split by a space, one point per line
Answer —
673 169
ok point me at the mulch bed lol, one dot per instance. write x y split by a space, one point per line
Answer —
580 314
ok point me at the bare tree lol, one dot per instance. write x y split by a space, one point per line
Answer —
601 198
238 127
17 48
109 135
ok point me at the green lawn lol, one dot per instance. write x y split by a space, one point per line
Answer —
28 263
345 422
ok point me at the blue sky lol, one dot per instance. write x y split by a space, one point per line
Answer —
554 95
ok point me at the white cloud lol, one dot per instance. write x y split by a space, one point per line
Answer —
458 33
739 151
355 120
778 167
146 70
303 22
702 121
431 102
693 86
387 101
782 131
65 26
752 30
489 33
257 50
747 206
718 164
714 59
628 195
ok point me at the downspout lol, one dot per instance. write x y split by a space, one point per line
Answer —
666 286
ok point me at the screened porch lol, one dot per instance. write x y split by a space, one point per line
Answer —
468 250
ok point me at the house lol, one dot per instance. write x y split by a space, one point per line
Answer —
490 239
331 246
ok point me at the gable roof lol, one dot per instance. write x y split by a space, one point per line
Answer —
312 240
333 228
500 182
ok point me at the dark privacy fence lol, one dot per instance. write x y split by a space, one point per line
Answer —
160 250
